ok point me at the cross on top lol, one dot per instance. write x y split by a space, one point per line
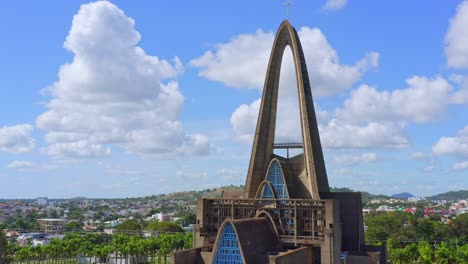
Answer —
288 5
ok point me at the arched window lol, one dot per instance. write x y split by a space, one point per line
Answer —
228 251
276 178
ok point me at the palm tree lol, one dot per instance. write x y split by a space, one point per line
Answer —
444 254
426 254
399 256
412 252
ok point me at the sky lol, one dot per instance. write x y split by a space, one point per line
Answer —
134 98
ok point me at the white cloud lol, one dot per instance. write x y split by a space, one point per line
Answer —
461 95
17 139
112 93
229 175
461 165
22 165
338 134
421 155
422 101
77 149
355 159
334 132
333 5
192 175
456 38
242 63
244 121
456 146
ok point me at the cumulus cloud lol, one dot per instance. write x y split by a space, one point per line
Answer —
333 5
244 121
334 132
113 93
355 159
423 100
339 134
22 165
455 146
17 139
229 175
456 38
192 175
461 95
461 165
421 155
242 63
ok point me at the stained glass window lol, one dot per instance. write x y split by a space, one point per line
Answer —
228 251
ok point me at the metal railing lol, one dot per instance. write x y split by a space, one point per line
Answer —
296 220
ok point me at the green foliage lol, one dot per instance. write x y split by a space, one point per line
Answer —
23 223
129 225
73 225
187 219
5 254
426 253
460 225
340 189
453 195
444 254
164 227
75 213
381 226
398 256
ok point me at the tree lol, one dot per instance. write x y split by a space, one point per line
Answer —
444 254
380 227
425 228
398 256
460 225
412 252
188 219
5 256
426 254
73 225
164 227
129 226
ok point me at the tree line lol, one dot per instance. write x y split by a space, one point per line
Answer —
99 245
413 238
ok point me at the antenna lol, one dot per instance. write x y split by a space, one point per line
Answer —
288 5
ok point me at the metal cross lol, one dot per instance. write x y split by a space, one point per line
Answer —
288 5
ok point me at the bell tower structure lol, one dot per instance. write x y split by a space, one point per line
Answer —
312 175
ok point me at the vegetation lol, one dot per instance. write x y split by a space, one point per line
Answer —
129 226
454 195
164 227
98 245
418 239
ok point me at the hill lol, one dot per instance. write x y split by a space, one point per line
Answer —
455 195
403 195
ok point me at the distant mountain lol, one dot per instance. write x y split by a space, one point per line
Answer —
457 195
403 195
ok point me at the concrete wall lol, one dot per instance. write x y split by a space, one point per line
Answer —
352 225
300 255
190 256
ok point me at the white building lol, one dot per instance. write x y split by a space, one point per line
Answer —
41 200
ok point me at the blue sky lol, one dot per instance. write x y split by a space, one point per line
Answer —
133 98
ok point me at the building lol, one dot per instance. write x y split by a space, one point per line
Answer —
42 201
51 225
287 213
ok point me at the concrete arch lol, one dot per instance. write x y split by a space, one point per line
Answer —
262 149
263 184
264 213
254 237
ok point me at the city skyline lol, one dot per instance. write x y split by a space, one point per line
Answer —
119 99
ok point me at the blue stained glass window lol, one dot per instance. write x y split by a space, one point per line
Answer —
228 251
275 176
